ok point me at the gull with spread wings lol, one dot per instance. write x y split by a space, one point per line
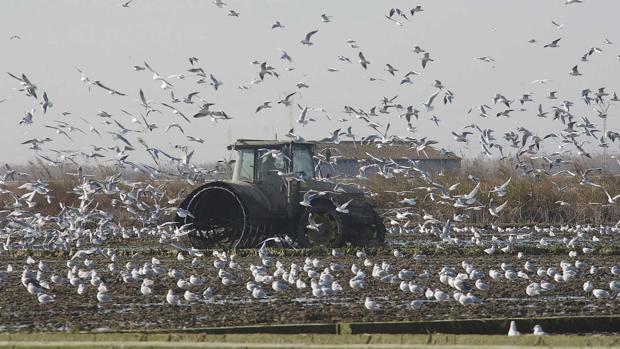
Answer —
306 40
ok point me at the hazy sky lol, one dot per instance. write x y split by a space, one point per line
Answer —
105 40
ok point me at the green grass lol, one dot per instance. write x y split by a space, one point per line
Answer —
488 333
297 341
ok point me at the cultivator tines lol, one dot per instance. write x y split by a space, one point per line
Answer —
247 239
218 230
254 234
225 232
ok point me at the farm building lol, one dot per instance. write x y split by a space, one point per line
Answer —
350 156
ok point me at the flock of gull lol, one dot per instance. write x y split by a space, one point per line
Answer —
86 227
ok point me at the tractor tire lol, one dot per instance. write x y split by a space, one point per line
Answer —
367 232
218 218
332 228
380 230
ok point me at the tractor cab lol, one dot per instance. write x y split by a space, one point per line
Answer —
262 161
275 168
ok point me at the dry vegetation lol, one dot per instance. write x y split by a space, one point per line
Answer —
63 179
531 200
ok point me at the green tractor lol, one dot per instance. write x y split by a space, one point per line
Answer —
274 192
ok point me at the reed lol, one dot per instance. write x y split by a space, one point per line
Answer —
531 200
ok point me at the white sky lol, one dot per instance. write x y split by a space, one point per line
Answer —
105 40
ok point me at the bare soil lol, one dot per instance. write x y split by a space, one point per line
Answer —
233 305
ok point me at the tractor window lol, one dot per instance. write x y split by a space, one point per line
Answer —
245 165
268 165
302 162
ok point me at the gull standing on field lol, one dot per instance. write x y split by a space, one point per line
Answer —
45 298
190 296
588 286
538 331
513 329
599 293
370 304
173 299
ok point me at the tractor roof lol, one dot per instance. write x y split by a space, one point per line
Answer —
262 143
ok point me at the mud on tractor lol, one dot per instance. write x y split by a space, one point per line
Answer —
274 191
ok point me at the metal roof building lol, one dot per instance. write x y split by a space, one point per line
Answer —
349 156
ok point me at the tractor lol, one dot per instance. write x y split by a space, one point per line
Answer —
275 192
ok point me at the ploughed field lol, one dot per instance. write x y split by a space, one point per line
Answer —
422 274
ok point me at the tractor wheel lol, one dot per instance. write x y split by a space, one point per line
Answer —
329 231
379 228
218 219
367 234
